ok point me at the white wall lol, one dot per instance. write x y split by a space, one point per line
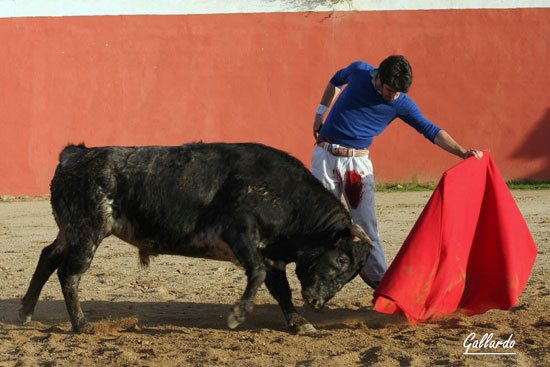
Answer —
32 8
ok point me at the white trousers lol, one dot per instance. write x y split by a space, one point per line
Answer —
353 177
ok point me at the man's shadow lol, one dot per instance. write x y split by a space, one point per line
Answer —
536 145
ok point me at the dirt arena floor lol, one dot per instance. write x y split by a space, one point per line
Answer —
174 313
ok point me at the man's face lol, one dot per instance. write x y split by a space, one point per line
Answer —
389 93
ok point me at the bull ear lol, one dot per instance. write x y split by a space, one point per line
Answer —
358 235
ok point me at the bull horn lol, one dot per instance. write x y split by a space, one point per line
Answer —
358 234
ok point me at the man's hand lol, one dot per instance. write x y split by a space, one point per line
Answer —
317 125
478 154
445 141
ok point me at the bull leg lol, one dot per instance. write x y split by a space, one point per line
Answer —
243 238
49 261
237 316
74 265
277 283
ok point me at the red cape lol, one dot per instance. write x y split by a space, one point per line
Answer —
469 251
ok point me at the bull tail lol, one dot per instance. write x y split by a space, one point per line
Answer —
71 153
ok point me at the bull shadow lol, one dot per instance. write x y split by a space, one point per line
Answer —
170 316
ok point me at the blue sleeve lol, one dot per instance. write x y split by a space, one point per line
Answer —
411 114
342 76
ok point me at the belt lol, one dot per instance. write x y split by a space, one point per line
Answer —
343 151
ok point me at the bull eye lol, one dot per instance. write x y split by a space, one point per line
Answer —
341 261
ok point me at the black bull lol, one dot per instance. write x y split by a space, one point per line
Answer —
246 203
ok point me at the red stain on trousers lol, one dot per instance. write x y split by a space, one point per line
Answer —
353 188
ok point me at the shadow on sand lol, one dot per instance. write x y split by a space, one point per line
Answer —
151 315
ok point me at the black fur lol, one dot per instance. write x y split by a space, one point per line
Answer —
247 203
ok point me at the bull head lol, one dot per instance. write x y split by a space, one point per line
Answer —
333 266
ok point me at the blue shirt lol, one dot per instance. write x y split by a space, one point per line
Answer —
360 113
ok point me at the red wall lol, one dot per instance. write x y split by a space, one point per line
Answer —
135 80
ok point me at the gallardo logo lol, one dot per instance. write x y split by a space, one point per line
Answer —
486 345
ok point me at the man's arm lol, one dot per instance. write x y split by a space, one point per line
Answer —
446 141
331 91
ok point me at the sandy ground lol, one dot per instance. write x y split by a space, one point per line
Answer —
174 312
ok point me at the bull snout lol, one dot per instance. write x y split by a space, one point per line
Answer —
313 301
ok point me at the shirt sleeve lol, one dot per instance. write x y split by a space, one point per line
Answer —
342 76
412 115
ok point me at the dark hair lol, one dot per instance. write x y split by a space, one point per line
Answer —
396 72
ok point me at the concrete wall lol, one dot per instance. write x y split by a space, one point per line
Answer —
172 72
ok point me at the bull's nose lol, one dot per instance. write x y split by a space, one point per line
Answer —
314 302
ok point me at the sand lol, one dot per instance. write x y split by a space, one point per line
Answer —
174 313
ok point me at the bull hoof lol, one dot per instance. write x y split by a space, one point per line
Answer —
239 313
83 326
232 321
305 328
24 317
